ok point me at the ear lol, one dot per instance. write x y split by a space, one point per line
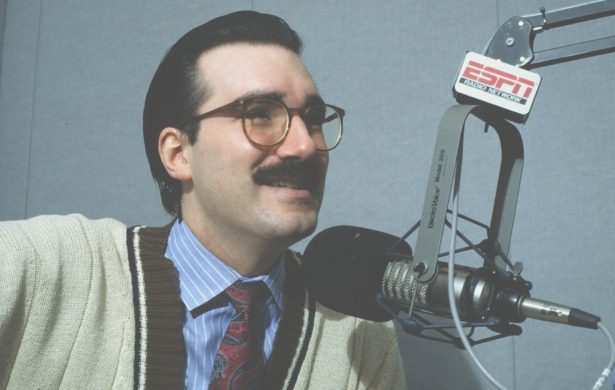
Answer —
174 151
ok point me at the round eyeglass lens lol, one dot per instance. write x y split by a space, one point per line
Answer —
265 121
325 126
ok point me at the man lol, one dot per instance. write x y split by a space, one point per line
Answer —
237 138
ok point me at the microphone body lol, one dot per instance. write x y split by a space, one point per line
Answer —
345 267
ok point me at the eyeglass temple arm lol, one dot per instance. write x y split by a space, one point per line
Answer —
339 112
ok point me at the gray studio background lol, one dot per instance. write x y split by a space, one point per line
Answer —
73 79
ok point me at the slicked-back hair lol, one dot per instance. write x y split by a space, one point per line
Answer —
177 89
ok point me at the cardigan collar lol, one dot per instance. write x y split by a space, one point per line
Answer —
160 355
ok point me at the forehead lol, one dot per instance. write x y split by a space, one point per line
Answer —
234 70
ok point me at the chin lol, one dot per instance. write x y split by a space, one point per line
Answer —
291 229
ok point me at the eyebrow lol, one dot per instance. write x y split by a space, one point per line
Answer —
279 97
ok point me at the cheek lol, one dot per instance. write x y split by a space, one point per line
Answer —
324 160
225 141
216 183
222 162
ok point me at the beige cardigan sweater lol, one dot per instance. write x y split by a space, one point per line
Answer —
93 305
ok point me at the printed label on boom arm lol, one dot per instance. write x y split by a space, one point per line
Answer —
508 88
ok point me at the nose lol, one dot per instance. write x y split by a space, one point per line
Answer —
298 142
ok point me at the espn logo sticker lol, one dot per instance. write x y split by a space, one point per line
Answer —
497 83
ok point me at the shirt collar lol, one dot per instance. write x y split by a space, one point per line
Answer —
202 276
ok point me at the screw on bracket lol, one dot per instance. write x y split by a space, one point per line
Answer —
543 12
420 268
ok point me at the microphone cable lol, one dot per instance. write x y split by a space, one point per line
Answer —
609 368
453 305
451 273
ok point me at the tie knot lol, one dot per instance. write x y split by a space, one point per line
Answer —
243 295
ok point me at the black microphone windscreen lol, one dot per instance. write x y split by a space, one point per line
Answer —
344 267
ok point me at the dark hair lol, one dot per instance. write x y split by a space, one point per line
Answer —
177 89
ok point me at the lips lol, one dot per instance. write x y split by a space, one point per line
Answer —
300 175
296 183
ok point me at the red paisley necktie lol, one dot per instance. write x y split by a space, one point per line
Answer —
239 361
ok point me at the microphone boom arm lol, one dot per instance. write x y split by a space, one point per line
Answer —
513 42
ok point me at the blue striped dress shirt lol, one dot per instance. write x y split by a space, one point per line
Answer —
202 278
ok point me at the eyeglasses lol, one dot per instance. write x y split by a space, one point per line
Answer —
267 122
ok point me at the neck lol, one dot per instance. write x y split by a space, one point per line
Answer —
247 255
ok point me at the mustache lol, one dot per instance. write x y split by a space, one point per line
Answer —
310 171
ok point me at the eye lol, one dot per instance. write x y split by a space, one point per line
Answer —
258 113
261 111
315 116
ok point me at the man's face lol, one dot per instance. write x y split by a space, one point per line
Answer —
234 194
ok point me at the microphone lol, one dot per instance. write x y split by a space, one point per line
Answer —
345 267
